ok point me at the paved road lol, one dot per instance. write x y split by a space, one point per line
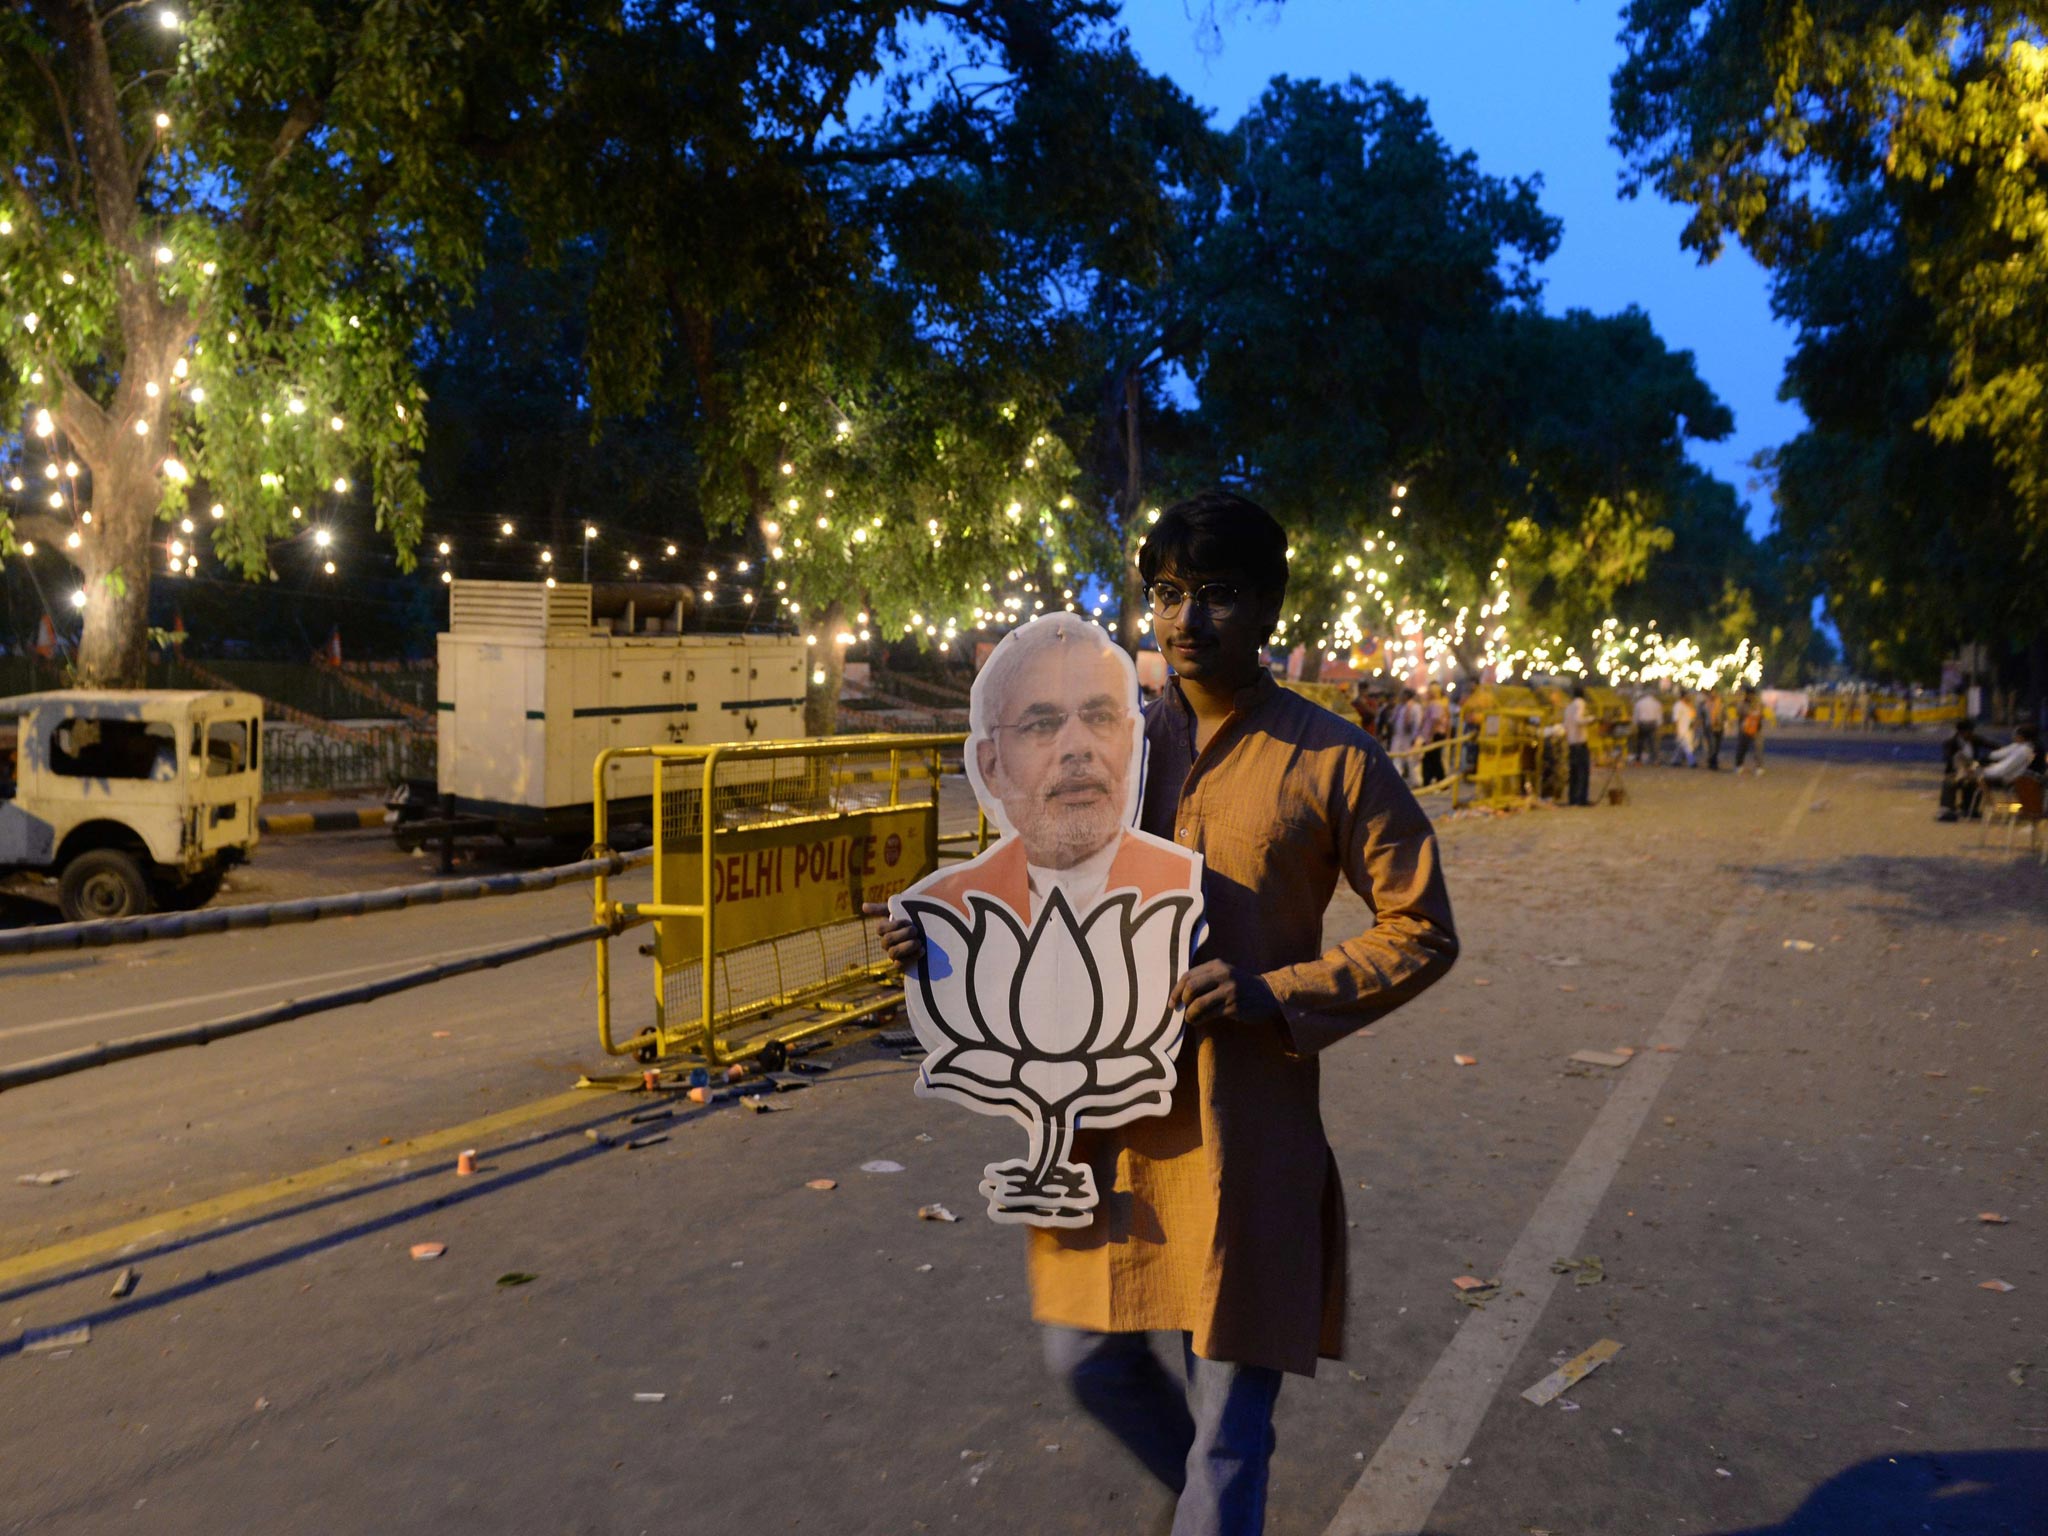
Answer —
1784 1208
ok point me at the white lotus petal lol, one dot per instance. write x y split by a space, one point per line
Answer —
995 1067
1053 1081
1105 934
1058 1002
935 994
1157 959
996 959
1112 1070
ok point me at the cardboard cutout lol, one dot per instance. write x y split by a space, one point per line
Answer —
1042 995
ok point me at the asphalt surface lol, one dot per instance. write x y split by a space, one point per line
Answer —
1787 1230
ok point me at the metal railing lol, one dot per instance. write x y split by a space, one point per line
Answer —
763 854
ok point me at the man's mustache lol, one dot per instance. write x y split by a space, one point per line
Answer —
1091 781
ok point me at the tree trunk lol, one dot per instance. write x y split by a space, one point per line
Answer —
1131 588
828 657
114 557
1311 664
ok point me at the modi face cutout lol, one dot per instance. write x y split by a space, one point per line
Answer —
1044 993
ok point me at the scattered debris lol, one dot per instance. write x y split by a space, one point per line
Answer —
1722 1472
924 1269
761 1106
516 1277
646 1116
1481 981
1993 1285
2018 1374
896 1039
1934 1074
822 1184
1600 1058
465 1163
1666 1050
1572 1372
1473 1283
810 1068
1562 962
881 1165
42 1341
646 1141
1565 986
1466 1061
1991 1218
935 1213
428 1250
1566 1405
1586 1271
443 1034
1802 945
597 1136
124 1284
650 1397
259 1405
45 1180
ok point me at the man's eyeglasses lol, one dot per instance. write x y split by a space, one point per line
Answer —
1217 597
1043 728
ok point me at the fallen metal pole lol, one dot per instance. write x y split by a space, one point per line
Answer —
107 1052
274 914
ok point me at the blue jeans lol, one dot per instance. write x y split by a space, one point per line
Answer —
1209 1442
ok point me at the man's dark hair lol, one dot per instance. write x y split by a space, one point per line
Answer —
1966 726
1214 532
1578 690
2026 733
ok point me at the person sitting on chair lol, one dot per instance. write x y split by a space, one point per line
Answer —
1962 787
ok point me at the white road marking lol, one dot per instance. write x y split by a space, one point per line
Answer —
1408 1474
281 984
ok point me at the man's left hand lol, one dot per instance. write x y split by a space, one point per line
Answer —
1214 991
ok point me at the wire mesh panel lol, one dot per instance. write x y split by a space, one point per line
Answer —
771 853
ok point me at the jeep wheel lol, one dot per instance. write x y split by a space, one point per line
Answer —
102 882
193 894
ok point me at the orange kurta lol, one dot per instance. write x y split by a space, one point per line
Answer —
1224 1218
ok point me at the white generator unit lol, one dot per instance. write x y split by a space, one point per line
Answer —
536 680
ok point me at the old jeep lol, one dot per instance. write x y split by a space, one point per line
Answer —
133 800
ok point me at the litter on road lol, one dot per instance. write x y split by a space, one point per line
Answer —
1993 1285
1802 945
1601 1058
428 1250
881 1165
822 1184
1466 1061
44 1180
935 1213
1991 1218
124 1283
650 1397
516 1277
41 1341
1586 1271
465 1163
1572 1372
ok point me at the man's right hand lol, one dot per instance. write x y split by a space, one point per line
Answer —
901 938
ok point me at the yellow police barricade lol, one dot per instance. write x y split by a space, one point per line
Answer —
1510 720
763 855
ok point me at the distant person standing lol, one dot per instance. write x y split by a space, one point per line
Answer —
1749 732
1685 732
1436 726
1578 752
1713 725
1407 732
1649 718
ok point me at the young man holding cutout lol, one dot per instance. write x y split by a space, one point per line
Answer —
1223 1220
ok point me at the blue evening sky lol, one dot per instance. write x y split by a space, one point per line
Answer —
1523 84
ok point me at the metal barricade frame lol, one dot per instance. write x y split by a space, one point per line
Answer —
717 1000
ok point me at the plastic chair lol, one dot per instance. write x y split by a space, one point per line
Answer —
2017 804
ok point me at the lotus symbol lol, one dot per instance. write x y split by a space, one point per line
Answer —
1063 1026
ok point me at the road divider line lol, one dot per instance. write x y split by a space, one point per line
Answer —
168 1224
283 983
1401 1485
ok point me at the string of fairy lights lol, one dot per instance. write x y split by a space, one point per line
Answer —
1375 624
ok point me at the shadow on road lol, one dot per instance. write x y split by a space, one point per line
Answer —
431 1166
1973 885
1946 1493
